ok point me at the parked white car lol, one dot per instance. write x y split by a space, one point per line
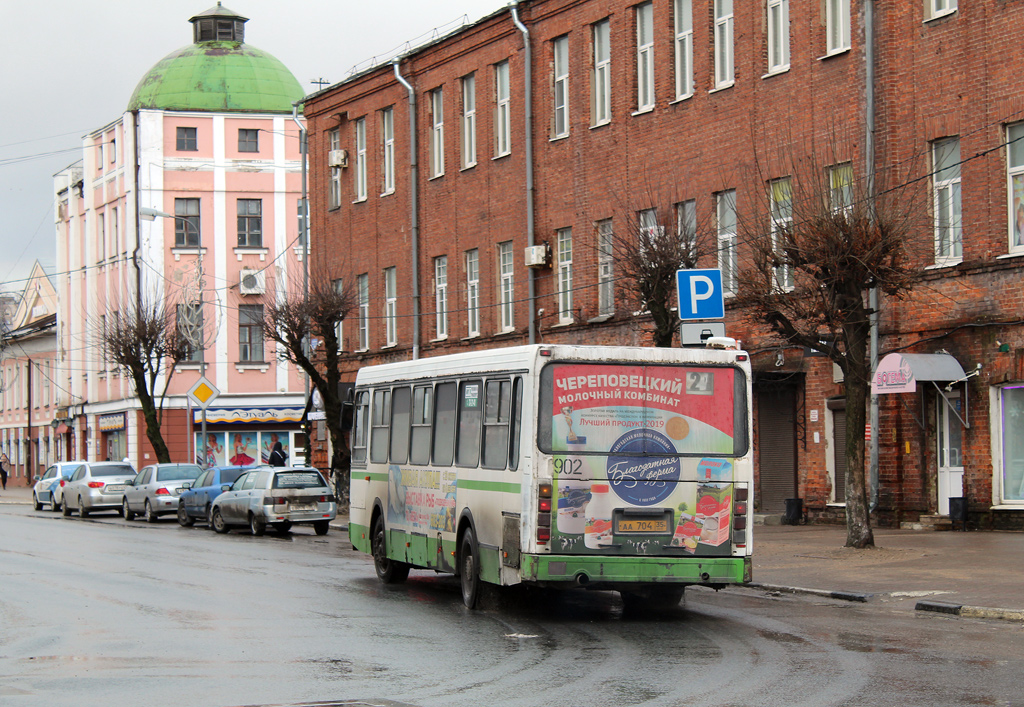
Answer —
50 483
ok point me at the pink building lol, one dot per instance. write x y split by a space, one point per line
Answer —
192 196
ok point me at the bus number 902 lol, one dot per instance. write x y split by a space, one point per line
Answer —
568 466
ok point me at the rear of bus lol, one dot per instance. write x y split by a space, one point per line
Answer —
643 471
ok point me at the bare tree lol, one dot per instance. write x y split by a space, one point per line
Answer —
820 243
144 342
293 320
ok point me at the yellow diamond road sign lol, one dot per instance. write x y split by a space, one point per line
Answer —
203 392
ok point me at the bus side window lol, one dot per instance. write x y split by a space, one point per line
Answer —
467 445
497 404
419 453
359 427
401 405
517 419
444 424
379 431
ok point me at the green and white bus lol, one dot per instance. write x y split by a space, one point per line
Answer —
603 467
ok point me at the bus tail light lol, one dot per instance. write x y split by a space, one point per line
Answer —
739 515
544 494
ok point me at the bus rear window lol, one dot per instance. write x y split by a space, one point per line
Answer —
642 410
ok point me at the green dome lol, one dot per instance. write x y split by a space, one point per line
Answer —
218 76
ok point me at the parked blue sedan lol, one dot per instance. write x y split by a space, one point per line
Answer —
197 496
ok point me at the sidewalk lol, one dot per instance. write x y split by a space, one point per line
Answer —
975 574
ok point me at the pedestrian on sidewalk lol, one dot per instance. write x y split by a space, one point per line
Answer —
5 467
277 455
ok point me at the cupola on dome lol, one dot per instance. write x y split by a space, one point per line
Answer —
218 72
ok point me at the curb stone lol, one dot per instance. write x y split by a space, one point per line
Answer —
845 596
970 612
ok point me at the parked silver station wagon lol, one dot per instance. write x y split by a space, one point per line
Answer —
276 497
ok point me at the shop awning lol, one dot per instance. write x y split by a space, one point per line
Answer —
61 429
899 373
248 415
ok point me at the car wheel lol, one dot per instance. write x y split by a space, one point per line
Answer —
127 512
257 525
82 512
283 527
184 519
469 569
321 527
388 571
208 514
151 516
36 505
217 521
54 506
65 509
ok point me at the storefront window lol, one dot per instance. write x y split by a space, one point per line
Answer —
1013 443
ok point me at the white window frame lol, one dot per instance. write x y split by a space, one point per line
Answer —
725 73
840 184
334 191
360 177
363 288
387 128
682 18
1015 186
339 326
686 225
605 268
837 26
947 200
390 306
728 261
564 254
560 88
469 121
502 110
780 198
934 9
437 133
472 292
778 36
114 235
1008 485
644 57
441 296
506 286
601 89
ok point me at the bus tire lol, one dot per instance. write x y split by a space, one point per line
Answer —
469 569
388 571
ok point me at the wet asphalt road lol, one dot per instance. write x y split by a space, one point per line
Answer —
104 612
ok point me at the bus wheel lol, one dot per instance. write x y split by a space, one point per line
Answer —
469 569
388 571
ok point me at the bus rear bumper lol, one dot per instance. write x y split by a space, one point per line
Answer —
604 571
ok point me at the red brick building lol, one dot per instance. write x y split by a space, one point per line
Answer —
564 123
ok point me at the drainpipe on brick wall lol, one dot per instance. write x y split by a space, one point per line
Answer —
304 155
869 157
528 101
414 209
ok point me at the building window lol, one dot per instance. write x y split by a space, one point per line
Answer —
778 35
473 292
1015 167
605 268
186 223
186 140
837 25
339 331
250 333
725 208
250 223
361 159
436 132
391 306
686 229
946 176
564 251
840 182
387 131
645 56
938 8
1011 485
506 286
334 194
248 140
363 286
683 20
601 90
781 198
114 235
441 295
468 121
723 44
503 114
190 330
300 213
101 234
560 49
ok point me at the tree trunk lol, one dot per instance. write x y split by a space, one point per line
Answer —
856 377
149 412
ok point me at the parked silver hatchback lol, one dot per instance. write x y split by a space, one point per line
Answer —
154 491
96 486
276 497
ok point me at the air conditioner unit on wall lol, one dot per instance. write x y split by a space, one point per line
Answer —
536 256
252 282
337 158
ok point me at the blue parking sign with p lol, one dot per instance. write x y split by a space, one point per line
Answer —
700 294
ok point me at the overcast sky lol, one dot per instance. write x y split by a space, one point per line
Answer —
69 67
